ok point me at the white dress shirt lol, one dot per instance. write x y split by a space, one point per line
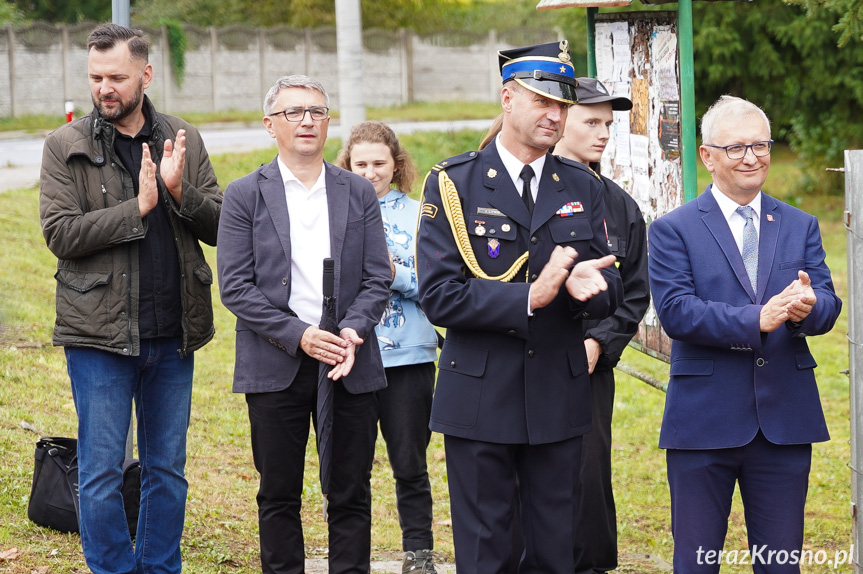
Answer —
734 219
514 166
310 243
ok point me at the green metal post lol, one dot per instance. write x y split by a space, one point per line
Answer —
687 99
591 42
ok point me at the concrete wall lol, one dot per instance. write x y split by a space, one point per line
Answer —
41 66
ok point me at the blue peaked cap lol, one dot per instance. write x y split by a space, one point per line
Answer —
545 69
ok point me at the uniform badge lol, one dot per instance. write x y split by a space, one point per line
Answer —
492 172
493 248
769 217
505 227
564 51
429 210
570 209
555 177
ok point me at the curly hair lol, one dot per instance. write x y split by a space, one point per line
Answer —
378 132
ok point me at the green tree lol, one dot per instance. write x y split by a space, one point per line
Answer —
787 59
420 15
850 24
68 11
10 14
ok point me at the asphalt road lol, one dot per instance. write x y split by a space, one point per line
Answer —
21 156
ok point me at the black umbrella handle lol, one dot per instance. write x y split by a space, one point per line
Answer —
329 278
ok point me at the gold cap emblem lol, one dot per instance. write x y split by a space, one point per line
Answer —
564 52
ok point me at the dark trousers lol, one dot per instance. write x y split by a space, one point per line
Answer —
404 408
280 431
773 481
596 517
491 484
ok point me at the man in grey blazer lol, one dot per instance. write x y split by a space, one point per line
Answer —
278 224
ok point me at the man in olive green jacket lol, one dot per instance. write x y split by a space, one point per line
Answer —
127 194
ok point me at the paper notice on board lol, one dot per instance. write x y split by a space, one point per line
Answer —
664 49
640 167
622 52
604 53
620 131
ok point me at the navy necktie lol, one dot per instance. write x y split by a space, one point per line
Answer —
750 245
526 194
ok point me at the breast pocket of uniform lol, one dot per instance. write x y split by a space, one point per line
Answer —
570 231
494 241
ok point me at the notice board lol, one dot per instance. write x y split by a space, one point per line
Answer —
637 57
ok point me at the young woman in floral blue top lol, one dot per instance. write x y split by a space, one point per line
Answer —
407 340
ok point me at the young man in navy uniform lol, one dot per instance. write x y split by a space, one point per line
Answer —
512 256
584 139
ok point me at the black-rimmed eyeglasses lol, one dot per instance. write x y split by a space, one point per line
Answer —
297 114
738 151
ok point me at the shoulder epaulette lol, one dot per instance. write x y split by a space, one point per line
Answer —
461 158
579 165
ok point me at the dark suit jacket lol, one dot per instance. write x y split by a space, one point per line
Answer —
728 379
254 262
506 377
627 239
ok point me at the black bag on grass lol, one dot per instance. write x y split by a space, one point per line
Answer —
54 494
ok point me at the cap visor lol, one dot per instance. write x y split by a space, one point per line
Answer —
618 103
554 90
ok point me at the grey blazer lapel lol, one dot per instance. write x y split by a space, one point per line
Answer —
338 200
273 191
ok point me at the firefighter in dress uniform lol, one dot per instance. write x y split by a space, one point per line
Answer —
512 256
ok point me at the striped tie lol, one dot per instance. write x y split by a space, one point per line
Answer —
750 245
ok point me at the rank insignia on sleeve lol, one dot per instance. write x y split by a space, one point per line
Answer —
570 209
429 210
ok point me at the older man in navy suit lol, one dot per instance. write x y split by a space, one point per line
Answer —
739 282
279 223
512 255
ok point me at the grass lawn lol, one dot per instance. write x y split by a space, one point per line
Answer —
221 528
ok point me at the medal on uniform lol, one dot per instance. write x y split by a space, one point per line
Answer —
493 247
479 229
505 227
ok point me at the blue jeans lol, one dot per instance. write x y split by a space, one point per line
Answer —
103 386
